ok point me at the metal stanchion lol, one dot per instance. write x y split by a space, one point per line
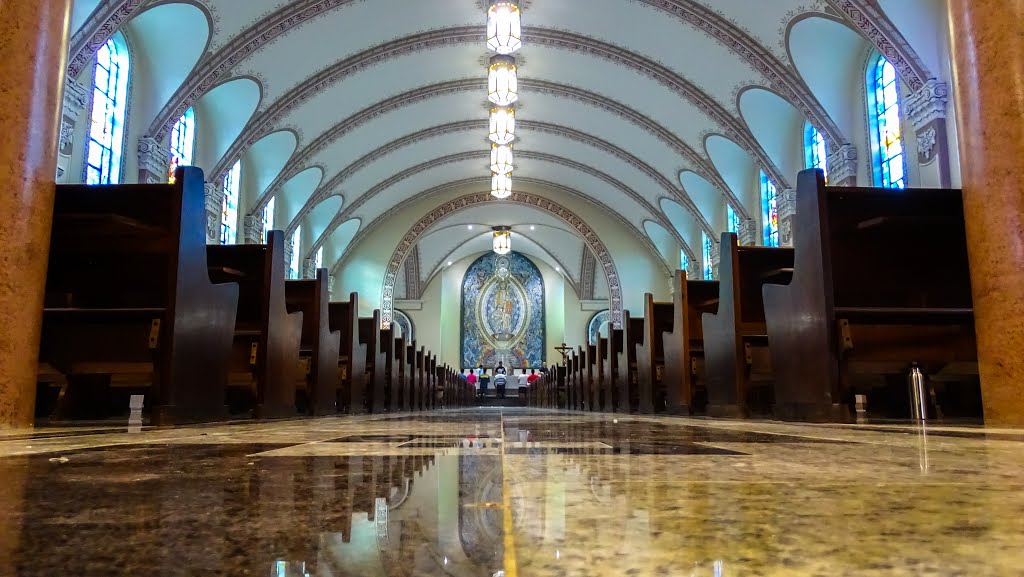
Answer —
918 394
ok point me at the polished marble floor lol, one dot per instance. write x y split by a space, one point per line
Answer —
524 492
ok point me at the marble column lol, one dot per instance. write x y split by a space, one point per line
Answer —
988 48
33 40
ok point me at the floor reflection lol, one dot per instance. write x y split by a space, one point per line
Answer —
556 494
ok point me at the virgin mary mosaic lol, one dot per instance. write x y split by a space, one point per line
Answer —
503 312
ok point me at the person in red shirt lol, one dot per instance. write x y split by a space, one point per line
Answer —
533 376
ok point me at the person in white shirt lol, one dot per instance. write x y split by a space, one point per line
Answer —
499 383
524 379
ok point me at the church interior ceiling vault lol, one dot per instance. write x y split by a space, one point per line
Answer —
345 111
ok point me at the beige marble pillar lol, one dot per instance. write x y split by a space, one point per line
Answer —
988 48
33 41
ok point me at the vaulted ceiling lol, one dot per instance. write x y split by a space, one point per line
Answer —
656 111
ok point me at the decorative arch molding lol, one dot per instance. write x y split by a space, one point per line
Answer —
486 183
326 189
410 239
588 271
867 18
348 212
701 165
565 40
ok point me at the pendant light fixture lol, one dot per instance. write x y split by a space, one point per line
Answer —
502 240
502 82
501 185
501 158
504 26
503 125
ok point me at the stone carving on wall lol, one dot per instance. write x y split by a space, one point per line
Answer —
405 327
787 210
154 159
716 257
309 268
842 166
926 110
76 98
252 229
214 205
503 312
748 231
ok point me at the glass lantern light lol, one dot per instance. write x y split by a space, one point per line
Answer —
503 125
502 240
501 185
501 158
502 82
504 26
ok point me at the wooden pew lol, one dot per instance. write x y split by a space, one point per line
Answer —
583 378
409 387
684 344
632 337
612 380
571 381
881 280
320 347
372 338
650 355
735 337
127 279
353 354
399 370
600 372
265 353
420 391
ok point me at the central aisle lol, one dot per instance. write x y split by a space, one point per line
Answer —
528 492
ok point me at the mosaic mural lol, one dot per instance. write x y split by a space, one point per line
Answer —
598 326
503 312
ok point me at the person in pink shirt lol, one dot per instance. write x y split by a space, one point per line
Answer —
471 379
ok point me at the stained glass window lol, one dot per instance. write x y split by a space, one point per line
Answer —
815 152
318 262
709 267
684 261
769 211
183 139
889 157
267 219
229 209
732 218
293 264
109 105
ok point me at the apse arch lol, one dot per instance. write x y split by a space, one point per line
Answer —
411 238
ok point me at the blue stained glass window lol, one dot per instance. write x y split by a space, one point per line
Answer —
109 107
319 260
709 267
293 265
732 219
769 211
267 219
183 138
815 152
229 209
684 261
889 158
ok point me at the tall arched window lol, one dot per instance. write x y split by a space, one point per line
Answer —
884 112
183 140
815 153
684 261
293 264
267 219
732 219
769 211
709 267
229 209
318 261
109 109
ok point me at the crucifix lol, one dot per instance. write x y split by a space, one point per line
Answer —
564 351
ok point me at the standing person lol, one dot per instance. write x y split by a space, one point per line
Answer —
500 368
484 381
533 376
472 380
499 381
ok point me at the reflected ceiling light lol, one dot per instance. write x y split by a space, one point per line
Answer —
501 158
501 185
532 227
504 26
503 125
502 240
470 227
449 263
502 83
